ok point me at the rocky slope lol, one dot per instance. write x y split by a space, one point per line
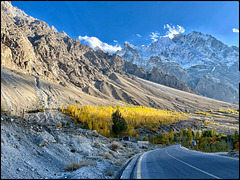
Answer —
36 148
200 60
34 52
29 45
44 68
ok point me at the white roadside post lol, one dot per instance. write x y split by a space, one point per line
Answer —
194 144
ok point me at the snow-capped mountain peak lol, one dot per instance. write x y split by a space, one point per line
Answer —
195 54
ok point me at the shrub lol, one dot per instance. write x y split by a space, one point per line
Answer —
117 162
96 145
85 126
59 124
68 125
200 112
131 155
208 133
114 146
108 172
222 146
107 155
236 146
113 154
229 111
41 109
76 165
145 139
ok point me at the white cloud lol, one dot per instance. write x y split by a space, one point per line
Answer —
235 30
138 35
173 30
94 42
115 41
154 36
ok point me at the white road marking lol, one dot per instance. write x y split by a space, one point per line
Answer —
182 147
192 166
139 167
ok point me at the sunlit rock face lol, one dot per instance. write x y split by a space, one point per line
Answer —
30 45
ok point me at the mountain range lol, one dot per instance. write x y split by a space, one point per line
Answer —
42 67
200 60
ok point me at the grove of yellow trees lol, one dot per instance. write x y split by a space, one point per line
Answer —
99 117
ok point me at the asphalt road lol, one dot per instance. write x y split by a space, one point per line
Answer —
175 162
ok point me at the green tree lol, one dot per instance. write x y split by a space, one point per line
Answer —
222 146
208 133
159 138
119 123
198 135
181 132
171 136
85 125
190 135
165 138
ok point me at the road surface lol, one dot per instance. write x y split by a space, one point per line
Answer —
175 162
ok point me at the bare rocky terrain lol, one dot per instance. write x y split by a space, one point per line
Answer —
29 46
36 148
22 91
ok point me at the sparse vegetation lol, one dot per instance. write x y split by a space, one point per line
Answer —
59 124
114 146
118 162
204 113
6 112
236 146
229 111
131 155
36 110
41 109
96 145
76 165
107 155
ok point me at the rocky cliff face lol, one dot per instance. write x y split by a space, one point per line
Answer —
30 45
189 58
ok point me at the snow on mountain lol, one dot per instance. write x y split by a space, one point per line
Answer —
194 55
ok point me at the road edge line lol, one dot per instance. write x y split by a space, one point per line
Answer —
184 148
124 166
139 166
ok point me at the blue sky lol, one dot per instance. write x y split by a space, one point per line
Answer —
110 23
